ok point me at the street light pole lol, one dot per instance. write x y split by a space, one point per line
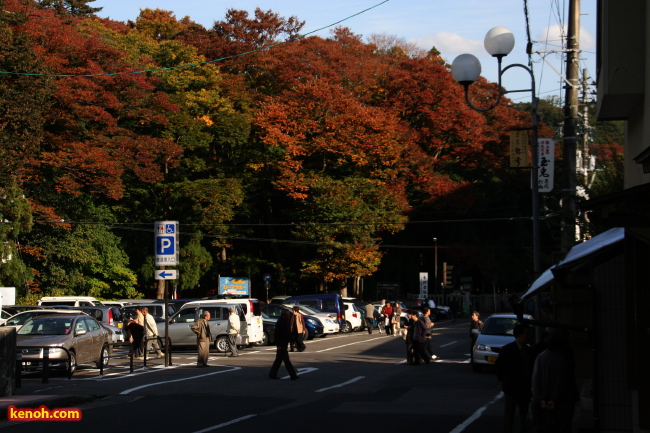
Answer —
466 69
435 265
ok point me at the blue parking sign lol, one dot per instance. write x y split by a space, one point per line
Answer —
165 245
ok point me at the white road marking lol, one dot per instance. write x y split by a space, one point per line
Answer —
128 391
350 344
340 385
449 344
225 424
476 415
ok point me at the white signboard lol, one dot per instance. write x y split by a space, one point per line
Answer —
166 274
546 149
424 285
166 247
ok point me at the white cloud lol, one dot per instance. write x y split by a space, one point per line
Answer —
555 34
449 44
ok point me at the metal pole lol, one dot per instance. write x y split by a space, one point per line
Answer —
166 317
435 265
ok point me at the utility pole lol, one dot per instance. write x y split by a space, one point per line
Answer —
570 128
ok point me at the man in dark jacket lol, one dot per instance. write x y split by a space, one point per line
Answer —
282 338
514 370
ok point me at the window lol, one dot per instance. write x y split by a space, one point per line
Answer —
309 302
80 325
215 312
91 324
186 315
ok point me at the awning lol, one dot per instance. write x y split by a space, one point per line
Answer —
593 245
576 253
543 280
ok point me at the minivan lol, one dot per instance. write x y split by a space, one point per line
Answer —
252 309
327 302
180 325
70 301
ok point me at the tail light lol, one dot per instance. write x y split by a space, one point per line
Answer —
338 316
110 317
250 307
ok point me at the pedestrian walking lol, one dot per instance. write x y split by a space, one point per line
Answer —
282 340
233 331
136 334
412 356
387 313
151 333
428 329
474 324
298 330
203 337
397 317
370 317
514 370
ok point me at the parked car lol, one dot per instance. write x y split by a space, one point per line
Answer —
180 324
314 324
269 331
84 337
353 320
18 320
71 301
497 331
110 317
325 302
155 309
328 320
15 309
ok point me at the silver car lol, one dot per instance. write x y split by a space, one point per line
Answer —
497 332
180 325
85 339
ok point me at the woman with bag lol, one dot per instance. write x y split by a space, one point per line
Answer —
298 330
388 313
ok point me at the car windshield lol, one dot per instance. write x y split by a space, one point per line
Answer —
308 310
46 326
499 326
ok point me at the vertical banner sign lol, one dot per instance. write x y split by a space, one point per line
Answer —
424 285
519 149
546 147
166 243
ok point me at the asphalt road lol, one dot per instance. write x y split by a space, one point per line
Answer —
348 382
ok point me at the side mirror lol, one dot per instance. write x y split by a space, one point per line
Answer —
475 331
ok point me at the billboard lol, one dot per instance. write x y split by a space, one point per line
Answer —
234 286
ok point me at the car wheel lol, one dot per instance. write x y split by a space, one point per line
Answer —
346 327
73 363
103 357
264 341
433 317
221 344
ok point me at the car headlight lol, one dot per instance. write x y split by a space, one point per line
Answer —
313 322
482 347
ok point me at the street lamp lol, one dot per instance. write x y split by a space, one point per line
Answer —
466 69
435 265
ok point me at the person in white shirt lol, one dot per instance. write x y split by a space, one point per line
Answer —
233 331
151 332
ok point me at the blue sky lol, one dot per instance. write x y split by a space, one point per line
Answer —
452 26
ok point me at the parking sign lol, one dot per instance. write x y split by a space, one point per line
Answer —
166 243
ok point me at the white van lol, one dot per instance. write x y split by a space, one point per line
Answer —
252 309
70 301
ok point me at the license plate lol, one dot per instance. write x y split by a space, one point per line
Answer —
491 359
119 324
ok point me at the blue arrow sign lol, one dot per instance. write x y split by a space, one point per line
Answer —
166 274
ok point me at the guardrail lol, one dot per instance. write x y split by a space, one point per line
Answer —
145 340
45 359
